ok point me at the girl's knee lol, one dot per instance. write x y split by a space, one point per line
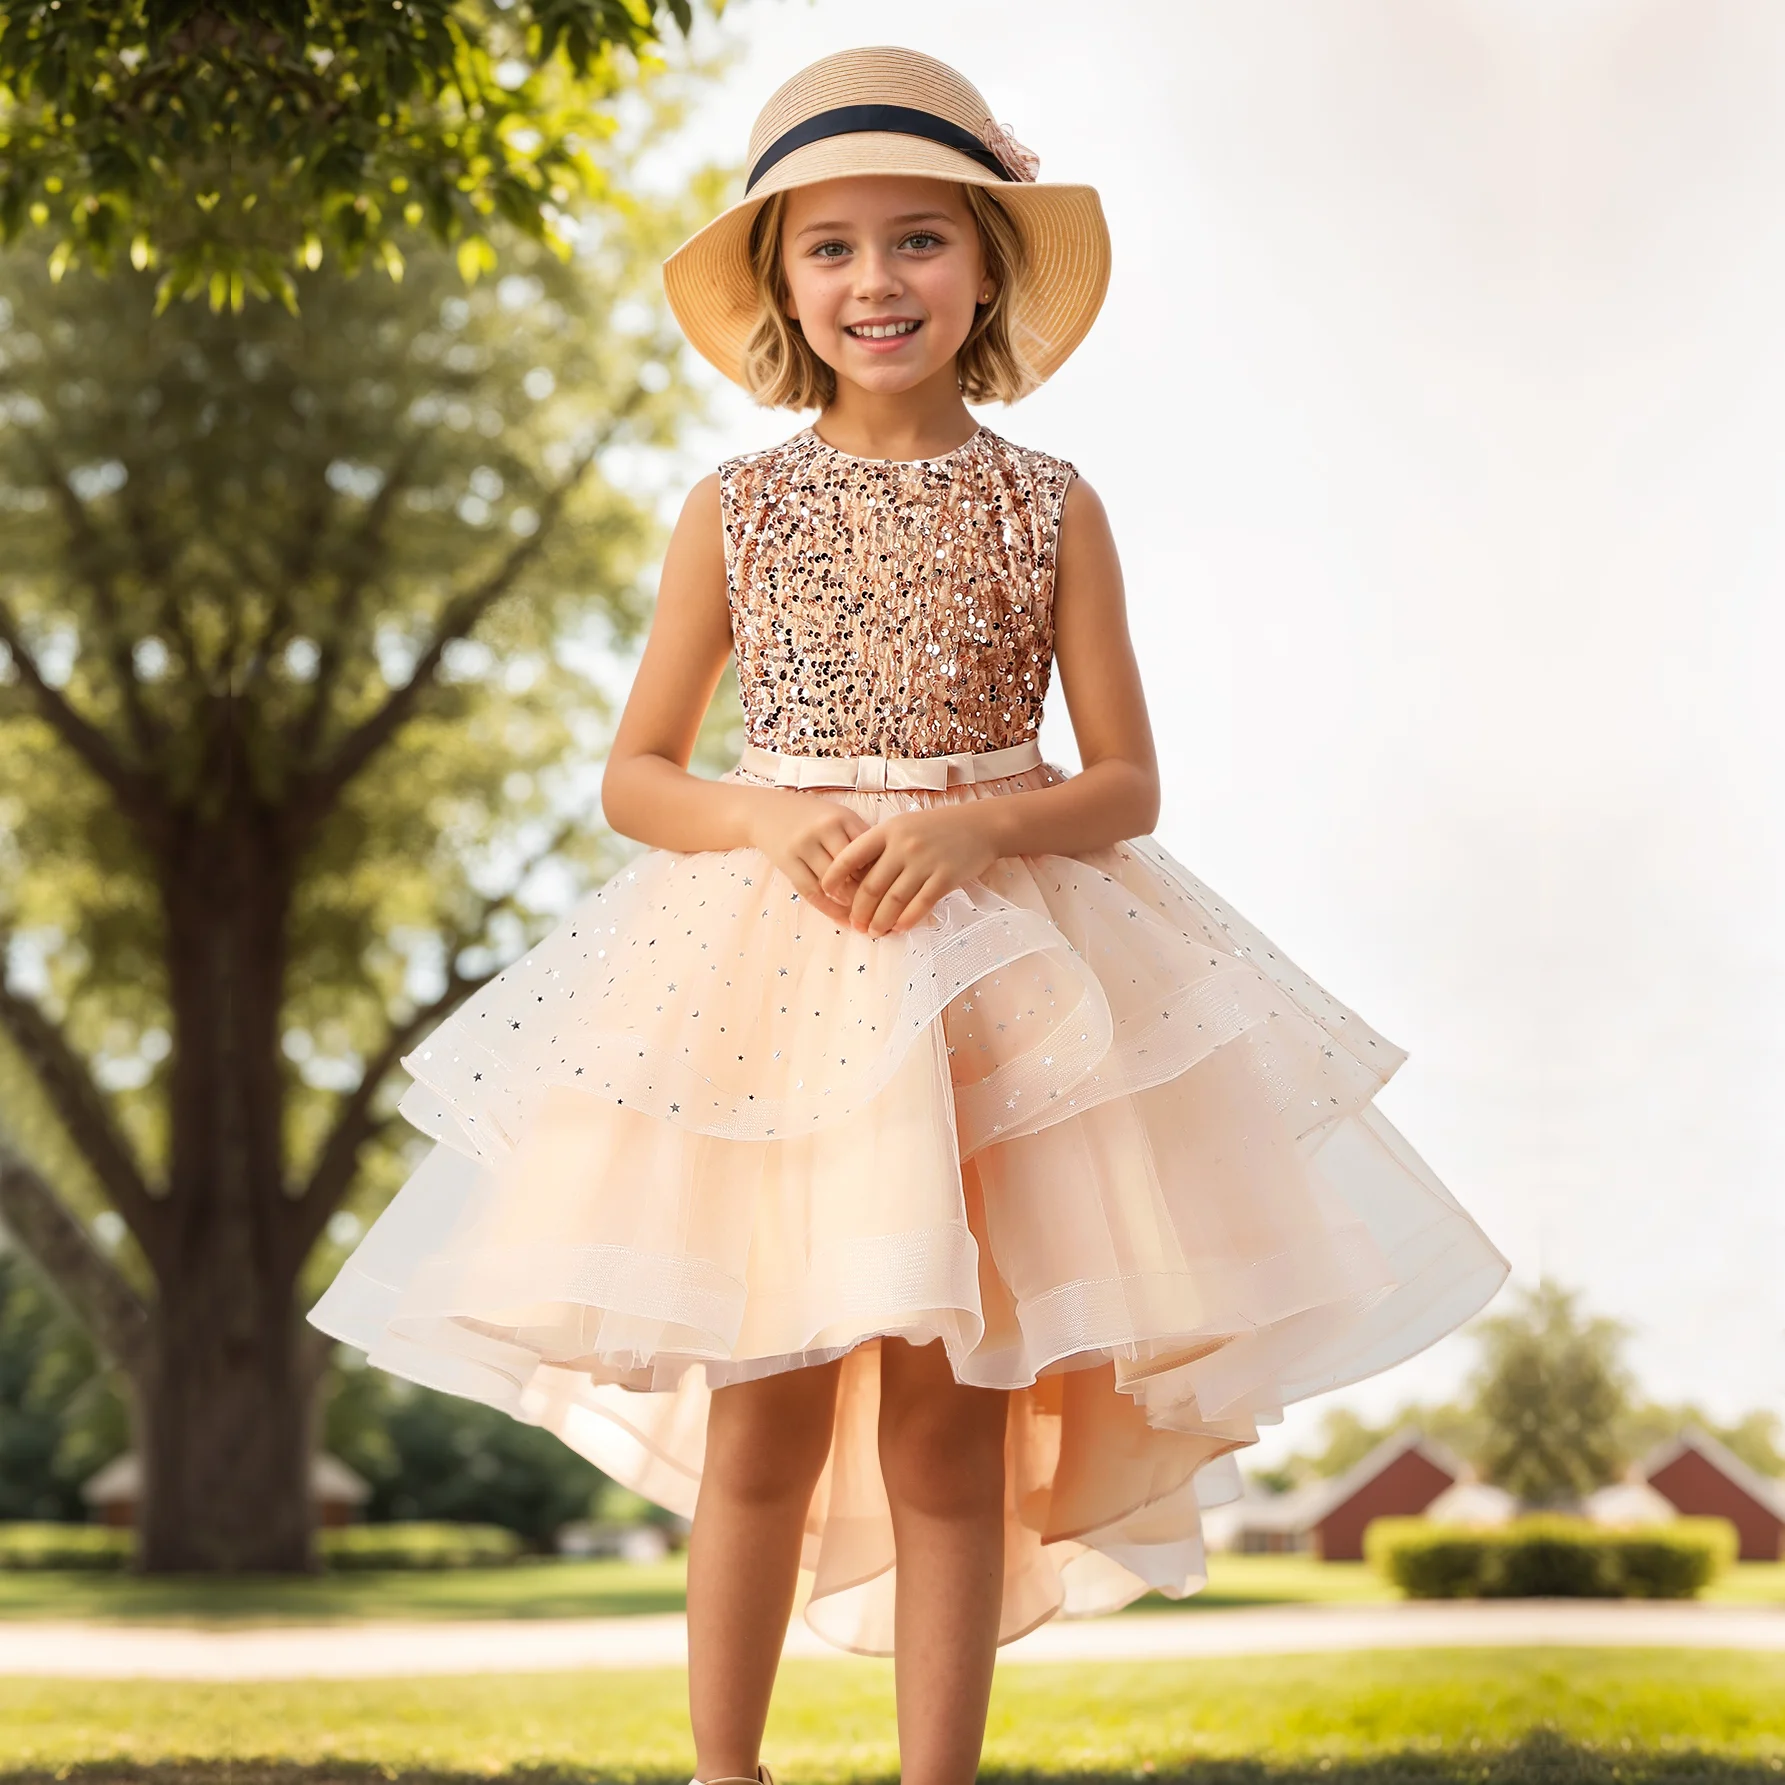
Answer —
944 1455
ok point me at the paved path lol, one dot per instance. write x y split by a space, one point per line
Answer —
362 1651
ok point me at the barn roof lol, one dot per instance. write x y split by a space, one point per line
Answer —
1629 1502
1302 1508
122 1478
1471 1502
1396 1445
1259 1510
1759 1488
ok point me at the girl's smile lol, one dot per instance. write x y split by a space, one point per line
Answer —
883 334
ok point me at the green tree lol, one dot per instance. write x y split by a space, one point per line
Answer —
437 1456
305 619
1346 1439
1553 1396
1758 1438
232 143
60 1417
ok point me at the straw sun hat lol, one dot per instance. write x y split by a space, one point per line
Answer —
884 110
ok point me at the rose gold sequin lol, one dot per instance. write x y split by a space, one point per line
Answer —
892 607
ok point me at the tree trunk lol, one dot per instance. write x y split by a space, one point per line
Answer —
225 1440
225 1397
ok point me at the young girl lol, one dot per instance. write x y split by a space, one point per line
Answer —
904 1166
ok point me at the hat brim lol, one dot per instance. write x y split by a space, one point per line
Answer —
712 289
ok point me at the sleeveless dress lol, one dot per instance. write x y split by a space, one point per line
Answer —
1084 1124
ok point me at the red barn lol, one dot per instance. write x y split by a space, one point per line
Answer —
1400 1478
1700 1477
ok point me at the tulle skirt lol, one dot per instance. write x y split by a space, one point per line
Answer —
1084 1126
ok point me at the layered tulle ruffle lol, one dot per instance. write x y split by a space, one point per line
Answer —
1084 1126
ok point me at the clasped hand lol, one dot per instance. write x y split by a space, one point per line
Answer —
875 877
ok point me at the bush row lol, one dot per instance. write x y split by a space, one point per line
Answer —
417 1546
102 1547
1550 1557
35 1545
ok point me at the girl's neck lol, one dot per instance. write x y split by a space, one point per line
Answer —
921 423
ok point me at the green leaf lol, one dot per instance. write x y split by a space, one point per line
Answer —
145 123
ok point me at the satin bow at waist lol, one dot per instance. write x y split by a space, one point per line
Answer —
878 774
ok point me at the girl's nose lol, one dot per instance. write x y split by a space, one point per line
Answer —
876 276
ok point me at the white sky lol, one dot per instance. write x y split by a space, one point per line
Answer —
1437 404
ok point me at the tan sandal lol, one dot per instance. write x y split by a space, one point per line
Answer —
762 1776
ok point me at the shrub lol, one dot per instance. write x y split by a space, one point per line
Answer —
433 1458
1657 1569
113 1547
1550 1557
29 1544
417 1545
1425 1562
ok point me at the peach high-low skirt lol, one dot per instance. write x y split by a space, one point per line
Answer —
1083 1125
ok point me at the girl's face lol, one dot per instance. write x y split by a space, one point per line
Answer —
883 274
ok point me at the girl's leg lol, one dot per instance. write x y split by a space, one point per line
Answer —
766 1445
942 1458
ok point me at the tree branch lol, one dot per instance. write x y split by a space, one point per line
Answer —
89 558
155 561
97 1291
81 1108
133 790
358 1124
364 554
323 786
293 576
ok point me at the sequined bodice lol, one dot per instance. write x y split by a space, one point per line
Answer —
892 607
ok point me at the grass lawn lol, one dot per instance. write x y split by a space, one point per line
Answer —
1279 1580
1751 1583
550 1589
1438 1716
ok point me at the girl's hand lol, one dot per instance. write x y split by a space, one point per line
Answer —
894 872
802 833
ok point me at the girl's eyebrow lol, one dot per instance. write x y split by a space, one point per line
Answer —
910 217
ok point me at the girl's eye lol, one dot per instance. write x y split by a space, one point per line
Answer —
923 238
823 250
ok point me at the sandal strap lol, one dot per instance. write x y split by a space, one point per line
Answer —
762 1776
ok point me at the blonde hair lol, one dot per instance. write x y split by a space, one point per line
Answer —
782 372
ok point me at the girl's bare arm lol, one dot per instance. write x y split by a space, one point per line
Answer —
647 791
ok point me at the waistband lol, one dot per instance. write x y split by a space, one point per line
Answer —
877 774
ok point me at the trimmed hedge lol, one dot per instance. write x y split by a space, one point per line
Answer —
343 1547
1550 1557
29 1544
417 1545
